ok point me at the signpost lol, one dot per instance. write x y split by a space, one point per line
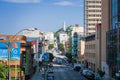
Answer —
46 60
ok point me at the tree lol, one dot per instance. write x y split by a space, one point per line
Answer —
3 71
60 46
51 46
55 34
68 55
74 60
51 57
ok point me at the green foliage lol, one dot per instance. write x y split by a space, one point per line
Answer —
55 35
68 55
68 50
3 71
60 46
51 46
101 73
51 57
74 60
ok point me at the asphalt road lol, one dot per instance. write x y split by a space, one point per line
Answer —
63 72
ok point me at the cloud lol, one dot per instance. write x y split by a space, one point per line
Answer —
64 3
23 1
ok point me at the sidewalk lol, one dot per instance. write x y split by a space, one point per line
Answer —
37 75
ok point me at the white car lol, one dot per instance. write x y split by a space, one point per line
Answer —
88 74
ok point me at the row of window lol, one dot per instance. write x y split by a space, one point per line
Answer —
92 24
93 2
90 38
92 46
93 6
90 55
93 10
93 19
94 15
91 29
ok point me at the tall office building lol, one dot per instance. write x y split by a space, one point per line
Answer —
92 15
110 38
113 37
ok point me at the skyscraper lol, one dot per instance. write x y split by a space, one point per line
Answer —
92 15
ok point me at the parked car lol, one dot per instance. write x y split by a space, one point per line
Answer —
97 76
84 72
76 66
88 74
50 65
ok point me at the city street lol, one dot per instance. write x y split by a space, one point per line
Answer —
63 72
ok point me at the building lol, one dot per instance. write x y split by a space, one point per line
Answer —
90 51
21 65
31 34
49 37
81 49
110 30
105 27
77 33
34 34
92 15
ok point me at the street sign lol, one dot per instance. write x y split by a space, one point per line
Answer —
46 56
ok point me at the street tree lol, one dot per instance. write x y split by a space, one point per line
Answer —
51 57
61 47
3 71
51 46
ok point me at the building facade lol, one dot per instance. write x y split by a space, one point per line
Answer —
22 67
92 15
90 51
81 49
34 34
49 37
77 33
112 36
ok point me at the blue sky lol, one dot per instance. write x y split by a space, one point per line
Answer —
46 15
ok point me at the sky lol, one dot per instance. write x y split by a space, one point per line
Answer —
46 15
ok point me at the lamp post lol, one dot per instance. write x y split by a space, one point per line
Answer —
9 50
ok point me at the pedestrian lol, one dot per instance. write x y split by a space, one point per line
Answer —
40 65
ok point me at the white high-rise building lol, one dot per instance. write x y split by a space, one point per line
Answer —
63 37
49 36
32 34
92 15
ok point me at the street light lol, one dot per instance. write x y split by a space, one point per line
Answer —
9 50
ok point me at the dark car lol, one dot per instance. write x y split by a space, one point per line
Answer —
90 75
77 67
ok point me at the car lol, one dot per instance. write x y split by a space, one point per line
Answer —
50 65
84 72
88 74
76 67
97 76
